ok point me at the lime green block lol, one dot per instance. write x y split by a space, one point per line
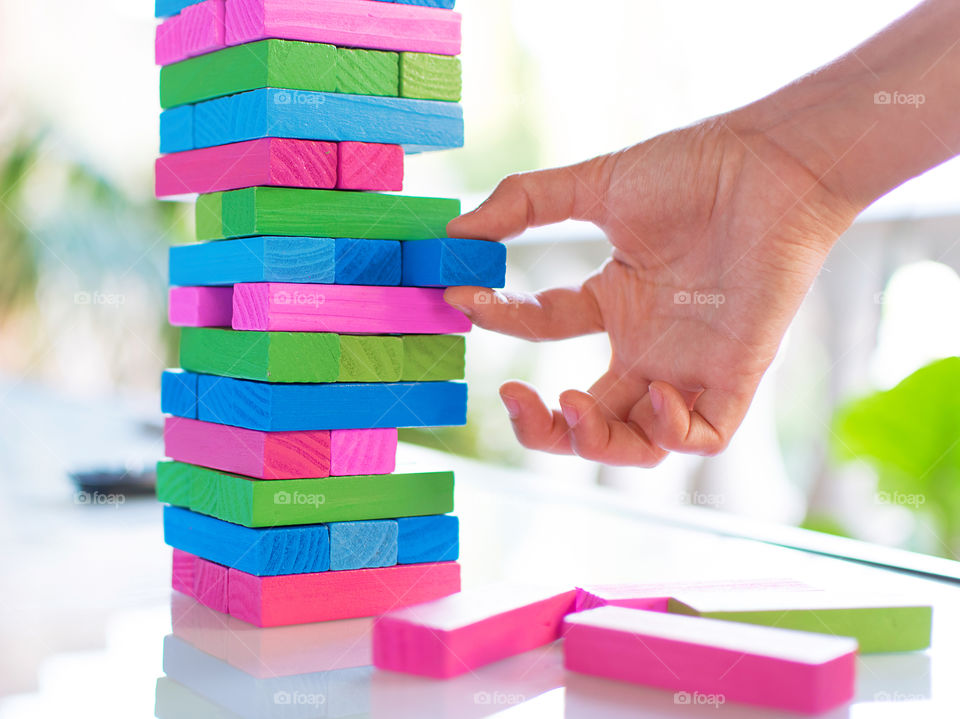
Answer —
284 502
267 63
173 485
877 627
368 72
296 212
431 358
209 214
370 358
430 77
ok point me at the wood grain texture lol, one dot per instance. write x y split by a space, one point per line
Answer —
178 393
460 633
209 216
274 162
184 570
176 129
298 212
430 358
430 77
368 262
197 29
166 8
254 259
302 598
268 63
369 359
369 166
346 23
358 545
200 306
428 539
270 551
264 455
363 451
344 308
879 624
418 125
655 596
368 72
447 261
286 502
210 585
341 405
764 666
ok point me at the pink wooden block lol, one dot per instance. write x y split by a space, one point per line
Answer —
354 309
273 161
301 598
198 29
719 661
202 580
280 455
369 166
654 596
184 571
362 451
450 636
201 306
347 23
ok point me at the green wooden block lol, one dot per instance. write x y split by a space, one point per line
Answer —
368 72
209 215
370 358
291 356
268 63
428 358
430 77
878 624
173 485
296 212
285 502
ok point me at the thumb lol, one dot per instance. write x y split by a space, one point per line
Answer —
553 314
538 198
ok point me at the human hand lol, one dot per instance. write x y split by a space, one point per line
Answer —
717 233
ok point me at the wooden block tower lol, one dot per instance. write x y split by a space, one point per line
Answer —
312 313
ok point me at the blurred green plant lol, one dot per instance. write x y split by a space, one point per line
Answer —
910 435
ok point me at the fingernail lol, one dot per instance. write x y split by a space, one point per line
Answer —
468 311
513 407
656 398
570 414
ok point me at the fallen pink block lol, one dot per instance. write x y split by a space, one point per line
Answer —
462 632
712 662
352 309
369 166
272 161
201 306
655 596
346 23
280 455
198 29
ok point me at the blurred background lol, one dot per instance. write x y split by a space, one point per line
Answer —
837 440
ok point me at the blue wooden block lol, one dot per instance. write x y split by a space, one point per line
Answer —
448 261
367 262
338 405
255 259
434 538
358 545
269 112
176 129
264 552
448 4
166 8
178 393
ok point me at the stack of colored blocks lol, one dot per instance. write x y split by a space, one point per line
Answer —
312 312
